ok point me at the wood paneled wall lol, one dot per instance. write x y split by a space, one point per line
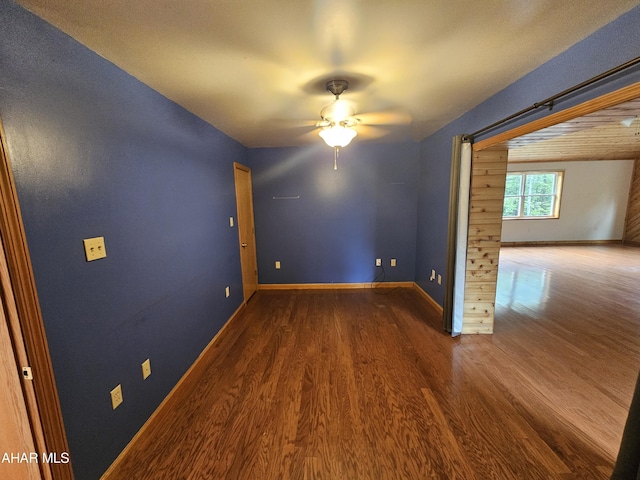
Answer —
632 223
489 170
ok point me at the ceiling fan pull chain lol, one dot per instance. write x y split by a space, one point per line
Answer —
335 158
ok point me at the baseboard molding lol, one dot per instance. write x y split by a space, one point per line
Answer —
332 286
343 286
193 372
559 243
428 298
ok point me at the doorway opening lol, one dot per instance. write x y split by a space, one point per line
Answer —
490 159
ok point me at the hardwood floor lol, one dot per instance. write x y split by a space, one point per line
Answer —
355 384
574 314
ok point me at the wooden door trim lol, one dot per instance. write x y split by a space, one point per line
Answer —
607 100
241 167
492 227
252 234
47 409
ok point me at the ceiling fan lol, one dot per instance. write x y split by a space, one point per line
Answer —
339 121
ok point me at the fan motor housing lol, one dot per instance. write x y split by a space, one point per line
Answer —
337 86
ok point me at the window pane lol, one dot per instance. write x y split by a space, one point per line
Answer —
513 185
531 195
540 184
511 207
538 206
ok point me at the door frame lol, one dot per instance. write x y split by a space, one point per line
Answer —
41 393
249 237
479 310
16 389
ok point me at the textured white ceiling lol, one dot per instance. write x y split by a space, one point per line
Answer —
256 69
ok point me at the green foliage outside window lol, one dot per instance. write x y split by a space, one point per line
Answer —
532 195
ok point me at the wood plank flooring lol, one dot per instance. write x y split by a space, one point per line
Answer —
359 384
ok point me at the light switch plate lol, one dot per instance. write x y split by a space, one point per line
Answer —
146 369
94 248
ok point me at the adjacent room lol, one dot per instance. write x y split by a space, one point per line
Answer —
569 262
226 238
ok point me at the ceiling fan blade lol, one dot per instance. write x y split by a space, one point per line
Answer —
293 123
391 116
369 133
310 136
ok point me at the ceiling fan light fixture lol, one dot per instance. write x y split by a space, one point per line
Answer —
337 135
337 111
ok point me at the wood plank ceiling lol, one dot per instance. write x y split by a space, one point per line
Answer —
596 136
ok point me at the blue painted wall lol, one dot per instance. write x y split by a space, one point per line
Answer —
614 44
329 226
97 153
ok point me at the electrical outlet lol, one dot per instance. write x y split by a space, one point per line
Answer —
116 396
231 221
146 369
433 276
393 262
378 262
94 248
277 265
227 292
439 279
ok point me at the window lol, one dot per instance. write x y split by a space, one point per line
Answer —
530 195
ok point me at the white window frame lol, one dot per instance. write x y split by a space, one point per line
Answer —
557 195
